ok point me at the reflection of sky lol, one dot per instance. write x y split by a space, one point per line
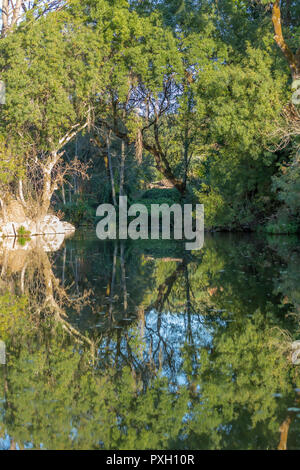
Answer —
5 443
174 331
175 325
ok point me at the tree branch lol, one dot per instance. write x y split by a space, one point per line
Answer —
289 55
4 17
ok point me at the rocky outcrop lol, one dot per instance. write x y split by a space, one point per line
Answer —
17 224
52 225
48 243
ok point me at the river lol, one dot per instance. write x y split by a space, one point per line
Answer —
143 345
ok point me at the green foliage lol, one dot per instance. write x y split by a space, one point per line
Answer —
42 70
170 194
23 236
278 227
13 311
243 101
10 165
288 186
241 83
226 84
22 232
79 212
159 196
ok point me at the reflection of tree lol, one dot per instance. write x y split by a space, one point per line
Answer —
55 396
239 380
284 430
161 349
28 274
285 426
287 281
164 289
174 367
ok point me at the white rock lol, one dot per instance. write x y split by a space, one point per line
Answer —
50 225
9 229
52 243
68 227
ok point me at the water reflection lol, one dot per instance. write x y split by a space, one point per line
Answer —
147 346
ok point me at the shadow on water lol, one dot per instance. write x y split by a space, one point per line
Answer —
146 346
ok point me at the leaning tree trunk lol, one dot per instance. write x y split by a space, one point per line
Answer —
48 186
160 157
293 59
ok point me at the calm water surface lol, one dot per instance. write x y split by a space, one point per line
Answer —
147 346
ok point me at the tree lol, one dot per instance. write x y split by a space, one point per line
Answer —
50 105
13 11
142 92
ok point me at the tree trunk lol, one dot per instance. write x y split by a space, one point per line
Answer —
4 18
21 193
113 190
160 158
16 13
63 193
48 186
123 272
47 193
122 168
10 17
292 59
186 156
